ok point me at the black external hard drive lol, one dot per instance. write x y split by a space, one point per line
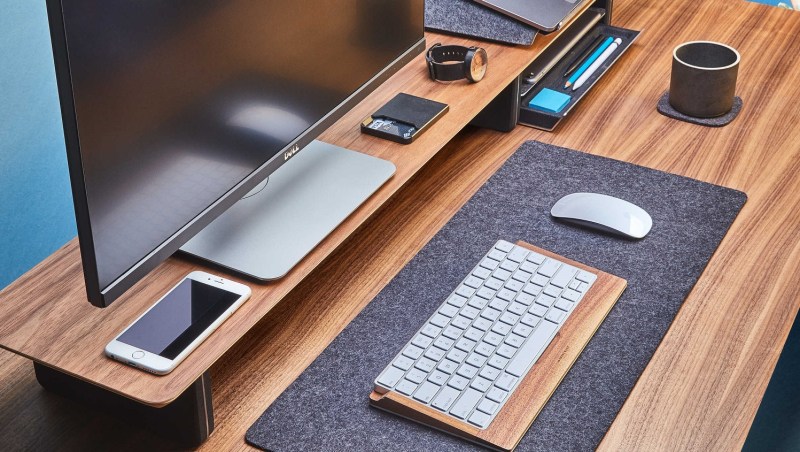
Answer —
403 118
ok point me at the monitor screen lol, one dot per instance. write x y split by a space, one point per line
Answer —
177 102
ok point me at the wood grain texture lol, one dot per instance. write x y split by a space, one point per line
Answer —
518 413
703 386
45 314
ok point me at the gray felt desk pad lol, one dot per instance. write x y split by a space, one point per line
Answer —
467 18
327 408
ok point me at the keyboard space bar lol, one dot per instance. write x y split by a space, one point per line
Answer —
533 347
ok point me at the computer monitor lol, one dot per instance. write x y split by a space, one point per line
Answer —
174 110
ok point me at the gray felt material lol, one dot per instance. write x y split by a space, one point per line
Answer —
327 409
666 109
467 18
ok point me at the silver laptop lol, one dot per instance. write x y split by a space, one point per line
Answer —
546 15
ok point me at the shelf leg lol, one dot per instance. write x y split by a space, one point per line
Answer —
188 420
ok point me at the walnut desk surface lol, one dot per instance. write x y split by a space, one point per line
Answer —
703 386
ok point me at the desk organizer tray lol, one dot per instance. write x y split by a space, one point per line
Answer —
555 79
327 407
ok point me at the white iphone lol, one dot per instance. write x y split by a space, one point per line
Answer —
177 323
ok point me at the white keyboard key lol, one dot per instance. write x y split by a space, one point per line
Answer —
447 366
498 362
522 329
525 298
465 345
425 365
482 324
518 254
496 395
487 406
494 283
412 351
563 304
439 320
509 266
533 347
456 355
545 300
538 310
460 322
514 285
506 351
390 377
489 373
571 295
456 300
491 314
474 334
443 343
496 255
501 274
416 376
431 331
465 291
485 292
509 318
445 399
434 353
530 320
506 382
481 272
498 304
476 360
480 419
403 362
448 310
478 302
467 370
458 382
574 284
505 294
426 392
464 406
535 257
515 341
484 349
493 338
549 268
540 280
528 266
490 264
517 308
405 387
504 246
469 312
481 384
552 290
501 328
473 282
555 315
564 276
585 276
438 377
452 332
422 341
521 276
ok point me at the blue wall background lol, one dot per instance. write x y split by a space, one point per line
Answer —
36 215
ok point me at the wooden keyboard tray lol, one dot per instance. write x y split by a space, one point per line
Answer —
516 416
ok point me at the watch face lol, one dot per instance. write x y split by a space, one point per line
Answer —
480 62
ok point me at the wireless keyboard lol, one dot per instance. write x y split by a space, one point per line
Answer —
468 359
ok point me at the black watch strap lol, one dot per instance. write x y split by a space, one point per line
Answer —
440 62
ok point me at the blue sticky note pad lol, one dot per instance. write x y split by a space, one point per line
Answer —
549 100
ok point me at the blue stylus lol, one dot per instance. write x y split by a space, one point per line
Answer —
589 61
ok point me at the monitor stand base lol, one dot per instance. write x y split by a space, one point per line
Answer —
271 229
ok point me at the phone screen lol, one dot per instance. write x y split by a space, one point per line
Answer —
179 318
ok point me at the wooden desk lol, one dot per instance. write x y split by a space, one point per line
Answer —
702 388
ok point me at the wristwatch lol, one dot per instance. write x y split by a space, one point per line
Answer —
448 63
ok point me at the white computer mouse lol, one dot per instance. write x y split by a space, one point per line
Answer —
605 213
